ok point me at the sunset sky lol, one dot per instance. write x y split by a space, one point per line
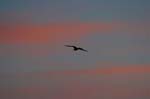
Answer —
35 64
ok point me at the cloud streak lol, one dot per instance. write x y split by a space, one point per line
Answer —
78 89
58 32
81 84
108 70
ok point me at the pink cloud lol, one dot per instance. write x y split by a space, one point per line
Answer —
78 90
58 32
109 70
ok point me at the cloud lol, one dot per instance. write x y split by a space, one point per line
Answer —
104 70
57 32
77 89
110 70
88 83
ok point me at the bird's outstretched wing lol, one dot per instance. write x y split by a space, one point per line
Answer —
69 46
82 49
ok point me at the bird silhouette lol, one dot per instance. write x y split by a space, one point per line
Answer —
76 48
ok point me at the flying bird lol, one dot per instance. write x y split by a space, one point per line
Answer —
76 48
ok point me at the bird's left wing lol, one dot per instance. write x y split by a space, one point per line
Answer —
69 46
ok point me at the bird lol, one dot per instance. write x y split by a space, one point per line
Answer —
76 48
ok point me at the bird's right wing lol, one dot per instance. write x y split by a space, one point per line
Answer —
83 49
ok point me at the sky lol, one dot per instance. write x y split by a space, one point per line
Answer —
35 64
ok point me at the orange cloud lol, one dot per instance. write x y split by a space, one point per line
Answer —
53 32
109 70
112 70
63 88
